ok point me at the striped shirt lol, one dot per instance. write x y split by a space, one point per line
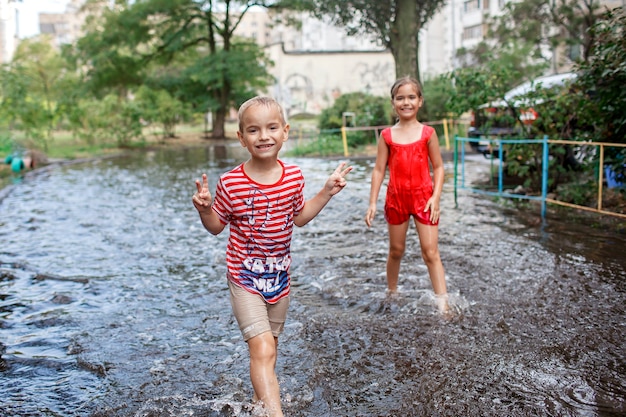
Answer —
261 226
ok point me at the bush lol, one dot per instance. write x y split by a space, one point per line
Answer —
437 92
603 77
324 144
368 110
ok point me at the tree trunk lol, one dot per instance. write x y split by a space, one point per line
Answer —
223 97
219 121
404 38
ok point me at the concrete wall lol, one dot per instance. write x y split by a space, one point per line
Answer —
308 82
8 30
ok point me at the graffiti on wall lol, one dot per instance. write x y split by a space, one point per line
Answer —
311 82
295 93
376 78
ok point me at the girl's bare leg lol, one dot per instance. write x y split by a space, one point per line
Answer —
397 245
263 354
429 236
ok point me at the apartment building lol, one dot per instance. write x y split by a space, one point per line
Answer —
463 24
63 27
8 30
315 64
318 62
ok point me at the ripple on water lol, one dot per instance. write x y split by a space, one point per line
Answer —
140 323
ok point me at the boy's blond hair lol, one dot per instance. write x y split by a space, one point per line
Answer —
260 101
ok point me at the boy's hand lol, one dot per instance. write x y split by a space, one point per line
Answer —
202 199
337 180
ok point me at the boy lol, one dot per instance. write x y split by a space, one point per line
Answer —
262 199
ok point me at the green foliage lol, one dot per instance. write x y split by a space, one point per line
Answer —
557 109
603 78
31 88
158 106
87 120
324 144
368 110
539 26
225 70
437 92
580 193
124 120
186 47
602 94
6 143
475 86
106 121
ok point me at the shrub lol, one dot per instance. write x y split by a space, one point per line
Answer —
368 110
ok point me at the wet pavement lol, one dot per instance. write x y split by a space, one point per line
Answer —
113 302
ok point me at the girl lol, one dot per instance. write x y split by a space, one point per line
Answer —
407 148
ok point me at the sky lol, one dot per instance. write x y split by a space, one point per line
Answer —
28 14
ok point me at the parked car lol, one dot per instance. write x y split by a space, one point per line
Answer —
510 116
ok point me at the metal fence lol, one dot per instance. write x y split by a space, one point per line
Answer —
316 138
499 157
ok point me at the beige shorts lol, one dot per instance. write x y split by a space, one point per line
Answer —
255 315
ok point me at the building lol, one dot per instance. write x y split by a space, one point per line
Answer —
8 30
463 24
65 27
317 62
310 81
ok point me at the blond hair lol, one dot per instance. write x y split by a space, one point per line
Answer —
260 101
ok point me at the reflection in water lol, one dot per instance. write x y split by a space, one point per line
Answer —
113 303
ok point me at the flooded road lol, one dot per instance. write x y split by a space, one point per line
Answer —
113 302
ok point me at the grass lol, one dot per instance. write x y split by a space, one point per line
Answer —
65 146
305 139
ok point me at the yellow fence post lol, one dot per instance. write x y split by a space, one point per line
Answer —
344 138
600 177
445 133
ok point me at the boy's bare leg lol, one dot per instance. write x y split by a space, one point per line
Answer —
263 354
397 245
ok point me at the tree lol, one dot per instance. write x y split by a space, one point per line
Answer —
548 26
124 43
158 106
31 89
437 91
395 24
475 86
603 76
602 79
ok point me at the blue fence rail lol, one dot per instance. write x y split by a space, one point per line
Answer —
499 157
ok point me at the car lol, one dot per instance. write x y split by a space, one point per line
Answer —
510 116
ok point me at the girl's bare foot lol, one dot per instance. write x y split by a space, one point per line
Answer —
442 304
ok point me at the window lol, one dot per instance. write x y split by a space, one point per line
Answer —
574 52
47 28
471 5
473 32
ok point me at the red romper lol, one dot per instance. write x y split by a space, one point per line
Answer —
410 184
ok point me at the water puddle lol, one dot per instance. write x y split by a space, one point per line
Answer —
113 302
